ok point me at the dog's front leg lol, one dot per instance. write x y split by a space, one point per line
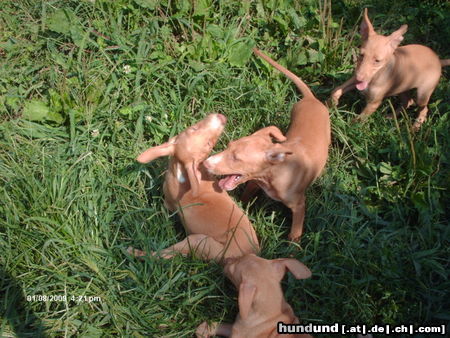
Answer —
214 329
298 218
371 106
202 246
342 89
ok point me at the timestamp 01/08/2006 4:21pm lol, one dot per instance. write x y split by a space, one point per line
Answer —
63 298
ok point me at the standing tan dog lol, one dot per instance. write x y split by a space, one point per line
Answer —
384 69
261 300
217 228
283 170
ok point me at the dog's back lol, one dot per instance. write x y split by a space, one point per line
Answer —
309 130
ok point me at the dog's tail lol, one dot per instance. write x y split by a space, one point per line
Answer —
304 89
445 62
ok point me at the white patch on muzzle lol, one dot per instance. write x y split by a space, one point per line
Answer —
213 160
216 123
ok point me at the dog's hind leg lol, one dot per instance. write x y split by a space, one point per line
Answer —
423 96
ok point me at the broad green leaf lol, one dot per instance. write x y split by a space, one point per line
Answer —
197 66
282 23
55 117
35 110
56 104
66 22
301 58
240 53
183 6
297 21
419 200
385 168
77 34
126 111
260 10
12 101
215 31
313 55
150 4
201 8
60 21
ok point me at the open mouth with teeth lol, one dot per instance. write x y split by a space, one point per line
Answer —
229 182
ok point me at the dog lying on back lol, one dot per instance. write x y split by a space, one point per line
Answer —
383 69
217 228
284 169
261 300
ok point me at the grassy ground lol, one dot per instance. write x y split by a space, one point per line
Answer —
86 85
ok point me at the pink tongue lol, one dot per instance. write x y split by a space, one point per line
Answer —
362 85
228 183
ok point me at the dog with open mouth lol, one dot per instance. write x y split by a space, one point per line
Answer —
283 166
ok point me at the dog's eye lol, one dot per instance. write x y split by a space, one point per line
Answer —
377 60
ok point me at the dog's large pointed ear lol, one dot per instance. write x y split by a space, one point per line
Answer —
194 176
273 132
247 292
366 28
397 37
277 153
165 149
297 268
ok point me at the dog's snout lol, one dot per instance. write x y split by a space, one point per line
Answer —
217 121
211 162
359 77
207 164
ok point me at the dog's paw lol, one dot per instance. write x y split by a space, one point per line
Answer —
391 116
333 101
294 237
361 118
335 96
204 330
135 252
417 124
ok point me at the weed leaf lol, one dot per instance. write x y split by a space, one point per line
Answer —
240 53
150 4
35 110
60 21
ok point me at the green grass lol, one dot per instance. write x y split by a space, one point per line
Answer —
86 85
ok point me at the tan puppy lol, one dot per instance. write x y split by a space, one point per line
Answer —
217 228
283 170
384 69
261 300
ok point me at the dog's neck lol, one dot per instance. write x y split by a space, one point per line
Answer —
264 181
266 300
177 174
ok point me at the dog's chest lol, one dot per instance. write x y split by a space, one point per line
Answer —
272 193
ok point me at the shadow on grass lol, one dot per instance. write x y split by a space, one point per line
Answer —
15 310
